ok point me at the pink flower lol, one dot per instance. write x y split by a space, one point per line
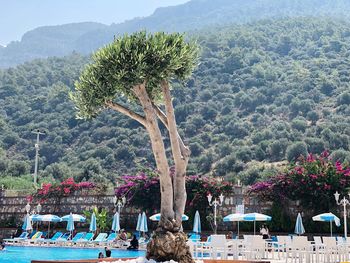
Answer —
325 154
310 158
339 167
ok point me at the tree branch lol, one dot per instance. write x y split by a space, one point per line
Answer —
126 111
185 151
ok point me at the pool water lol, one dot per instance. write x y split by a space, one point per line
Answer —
17 254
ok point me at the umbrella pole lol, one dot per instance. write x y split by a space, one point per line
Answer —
237 229
254 227
331 226
48 231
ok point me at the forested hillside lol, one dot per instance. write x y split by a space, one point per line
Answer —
263 93
196 14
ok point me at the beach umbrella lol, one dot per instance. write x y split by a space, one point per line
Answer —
143 226
93 225
236 217
156 217
76 218
138 222
116 224
46 218
299 227
27 223
253 217
197 223
70 223
327 217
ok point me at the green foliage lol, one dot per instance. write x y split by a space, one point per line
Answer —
296 150
102 219
252 112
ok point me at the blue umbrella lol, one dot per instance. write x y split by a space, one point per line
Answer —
156 217
27 224
197 223
70 224
237 217
299 228
138 222
143 226
93 225
327 217
116 224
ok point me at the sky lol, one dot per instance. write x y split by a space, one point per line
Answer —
20 16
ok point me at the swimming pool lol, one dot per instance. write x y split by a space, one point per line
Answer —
17 254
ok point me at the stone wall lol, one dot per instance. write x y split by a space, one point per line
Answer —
12 208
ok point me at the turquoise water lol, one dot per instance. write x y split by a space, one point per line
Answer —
16 254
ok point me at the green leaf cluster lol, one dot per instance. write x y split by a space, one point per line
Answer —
132 60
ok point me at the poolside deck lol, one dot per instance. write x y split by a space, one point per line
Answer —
116 259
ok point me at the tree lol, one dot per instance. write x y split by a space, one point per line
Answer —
139 67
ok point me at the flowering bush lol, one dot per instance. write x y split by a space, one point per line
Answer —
143 191
311 181
65 188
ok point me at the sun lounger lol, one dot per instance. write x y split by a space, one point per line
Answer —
195 237
33 238
65 237
23 236
86 239
111 237
102 237
78 236
49 240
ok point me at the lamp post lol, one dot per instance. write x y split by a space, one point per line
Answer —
120 203
215 203
38 133
27 208
38 208
343 202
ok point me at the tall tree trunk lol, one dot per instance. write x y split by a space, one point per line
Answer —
168 243
180 158
166 188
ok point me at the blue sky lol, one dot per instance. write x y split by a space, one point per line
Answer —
20 16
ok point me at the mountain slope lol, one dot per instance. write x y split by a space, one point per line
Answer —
263 93
196 14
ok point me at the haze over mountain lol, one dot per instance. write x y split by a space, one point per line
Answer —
86 37
20 16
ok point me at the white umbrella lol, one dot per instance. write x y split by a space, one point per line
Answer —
143 226
255 217
76 218
116 224
70 223
138 222
27 223
299 227
93 225
197 223
327 217
156 217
